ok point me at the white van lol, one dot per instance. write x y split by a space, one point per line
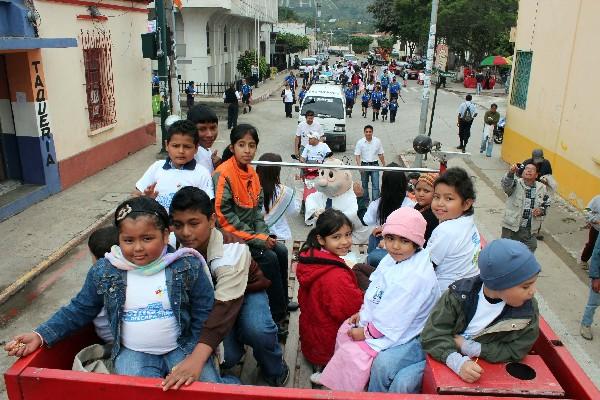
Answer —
329 105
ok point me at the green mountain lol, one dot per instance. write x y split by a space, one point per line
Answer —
341 10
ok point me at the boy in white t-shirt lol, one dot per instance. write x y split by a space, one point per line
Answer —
315 151
164 178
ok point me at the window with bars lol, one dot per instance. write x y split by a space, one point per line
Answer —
520 79
99 83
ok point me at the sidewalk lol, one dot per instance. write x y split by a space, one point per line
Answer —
37 237
458 88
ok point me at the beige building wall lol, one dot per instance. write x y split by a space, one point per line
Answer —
561 115
65 74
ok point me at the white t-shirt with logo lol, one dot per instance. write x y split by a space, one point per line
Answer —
169 181
204 157
149 324
368 151
454 247
485 314
399 299
315 154
303 129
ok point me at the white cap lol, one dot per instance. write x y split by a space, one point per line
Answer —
313 135
170 119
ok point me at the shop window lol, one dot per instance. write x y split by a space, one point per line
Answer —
99 83
520 79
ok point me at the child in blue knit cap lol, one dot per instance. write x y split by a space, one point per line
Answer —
492 316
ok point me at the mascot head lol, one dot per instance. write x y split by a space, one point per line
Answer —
333 182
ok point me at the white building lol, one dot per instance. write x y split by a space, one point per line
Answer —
295 28
212 34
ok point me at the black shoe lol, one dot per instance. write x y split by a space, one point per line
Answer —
293 306
281 380
249 108
463 149
459 147
539 237
282 332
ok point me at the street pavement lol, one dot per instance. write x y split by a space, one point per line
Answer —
34 235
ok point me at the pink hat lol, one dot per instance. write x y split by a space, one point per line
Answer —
408 223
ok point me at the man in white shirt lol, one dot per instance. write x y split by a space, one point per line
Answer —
207 126
316 151
467 112
304 128
366 152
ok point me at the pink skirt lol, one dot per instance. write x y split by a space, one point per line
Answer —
350 367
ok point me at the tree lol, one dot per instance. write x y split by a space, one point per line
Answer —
386 42
470 27
295 43
360 44
245 62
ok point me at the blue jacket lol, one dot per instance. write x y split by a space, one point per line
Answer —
594 271
365 97
393 106
385 80
395 88
376 97
350 93
190 292
246 89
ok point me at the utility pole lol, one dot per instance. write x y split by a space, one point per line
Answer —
427 81
173 73
163 76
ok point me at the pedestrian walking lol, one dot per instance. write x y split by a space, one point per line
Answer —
385 104
364 99
394 89
490 121
594 296
376 98
393 110
467 111
246 95
288 99
367 152
255 71
232 98
525 207
350 95
479 78
190 91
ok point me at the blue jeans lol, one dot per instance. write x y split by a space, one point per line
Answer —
136 363
255 327
399 369
374 253
364 176
479 87
487 146
590 308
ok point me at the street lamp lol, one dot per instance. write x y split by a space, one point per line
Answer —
317 15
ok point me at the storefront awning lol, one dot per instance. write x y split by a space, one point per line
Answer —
20 43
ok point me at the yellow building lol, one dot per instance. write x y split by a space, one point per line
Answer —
552 102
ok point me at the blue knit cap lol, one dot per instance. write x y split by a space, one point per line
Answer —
506 263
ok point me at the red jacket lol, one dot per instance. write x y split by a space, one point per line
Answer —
328 295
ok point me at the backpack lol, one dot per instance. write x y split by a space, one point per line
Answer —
467 116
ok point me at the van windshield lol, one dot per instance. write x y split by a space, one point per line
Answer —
324 107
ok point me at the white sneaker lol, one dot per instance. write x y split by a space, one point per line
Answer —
316 378
585 331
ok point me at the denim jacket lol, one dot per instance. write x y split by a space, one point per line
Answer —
190 293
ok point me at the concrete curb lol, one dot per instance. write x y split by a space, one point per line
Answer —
42 266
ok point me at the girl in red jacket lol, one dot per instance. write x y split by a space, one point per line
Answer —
329 293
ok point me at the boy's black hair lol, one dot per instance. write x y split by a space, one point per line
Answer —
328 223
309 113
142 206
530 162
468 97
102 239
200 114
183 127
461 182
368 127
190 198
